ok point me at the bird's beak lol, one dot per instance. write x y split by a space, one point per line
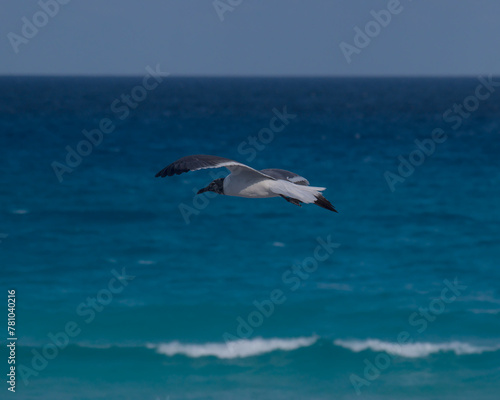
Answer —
202 190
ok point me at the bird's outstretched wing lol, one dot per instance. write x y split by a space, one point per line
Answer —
286 176
202 161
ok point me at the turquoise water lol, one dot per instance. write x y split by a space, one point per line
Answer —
156 283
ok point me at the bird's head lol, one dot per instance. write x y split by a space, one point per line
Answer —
216 186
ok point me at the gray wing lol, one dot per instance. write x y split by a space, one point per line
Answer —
286 176
203 161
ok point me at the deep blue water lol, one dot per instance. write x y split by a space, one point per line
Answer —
195 278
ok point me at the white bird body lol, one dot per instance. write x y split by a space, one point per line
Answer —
244 181
248 185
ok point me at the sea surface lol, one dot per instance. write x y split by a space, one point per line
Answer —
131 287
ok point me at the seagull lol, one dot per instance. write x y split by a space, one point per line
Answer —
244 181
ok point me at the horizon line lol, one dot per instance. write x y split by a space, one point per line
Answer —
238 76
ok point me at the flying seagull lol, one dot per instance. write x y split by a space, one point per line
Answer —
244 181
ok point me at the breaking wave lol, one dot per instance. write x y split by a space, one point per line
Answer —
233 349
413 350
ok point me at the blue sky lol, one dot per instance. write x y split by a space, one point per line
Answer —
251 37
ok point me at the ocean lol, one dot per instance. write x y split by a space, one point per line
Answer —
129 286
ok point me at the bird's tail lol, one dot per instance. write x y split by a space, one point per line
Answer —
305 194
324 203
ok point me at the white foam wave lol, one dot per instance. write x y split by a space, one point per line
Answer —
94 345
233 349
335 286
413 350
484 311
20 211
146 262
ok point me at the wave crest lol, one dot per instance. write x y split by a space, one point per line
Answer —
413 350
233 349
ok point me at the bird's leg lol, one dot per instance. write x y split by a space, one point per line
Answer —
292 200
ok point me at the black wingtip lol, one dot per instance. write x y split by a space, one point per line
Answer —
324 203
167 171
171 171
161 173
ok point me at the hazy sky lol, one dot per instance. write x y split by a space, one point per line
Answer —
251 37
